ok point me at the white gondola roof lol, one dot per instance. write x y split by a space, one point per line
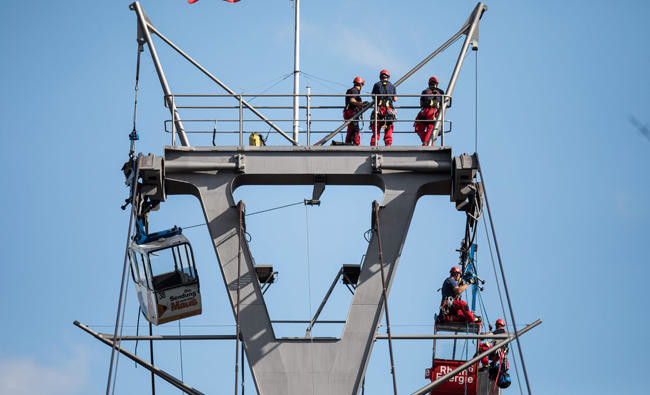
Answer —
159 244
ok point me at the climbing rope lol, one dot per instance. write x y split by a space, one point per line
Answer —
375 212
503 278
133 136
307 250
476 101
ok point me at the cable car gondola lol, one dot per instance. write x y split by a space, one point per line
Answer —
165 276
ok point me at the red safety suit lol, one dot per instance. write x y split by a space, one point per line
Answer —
385 115
457 312
430 106
482 347
352 137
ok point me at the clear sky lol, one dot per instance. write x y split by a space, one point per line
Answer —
566 172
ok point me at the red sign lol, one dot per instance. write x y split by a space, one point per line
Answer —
466 380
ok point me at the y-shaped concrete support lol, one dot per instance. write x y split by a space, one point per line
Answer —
308 366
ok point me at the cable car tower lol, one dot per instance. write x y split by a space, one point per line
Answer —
162 264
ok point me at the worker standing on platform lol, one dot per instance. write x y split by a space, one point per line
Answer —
452 308
430 104
352 105
386 114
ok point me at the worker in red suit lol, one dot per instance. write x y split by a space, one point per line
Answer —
500 329
452 308
430 105
353 104
484 346
385 115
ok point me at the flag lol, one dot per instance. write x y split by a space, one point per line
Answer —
194 1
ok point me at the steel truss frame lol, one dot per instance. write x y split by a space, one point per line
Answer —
321 366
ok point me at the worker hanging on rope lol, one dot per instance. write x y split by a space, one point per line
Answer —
353 104
430 103
499 364
492 359
452 308
385 113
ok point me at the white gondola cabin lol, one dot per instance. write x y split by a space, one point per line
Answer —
166 279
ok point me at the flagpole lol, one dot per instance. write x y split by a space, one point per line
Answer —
296 69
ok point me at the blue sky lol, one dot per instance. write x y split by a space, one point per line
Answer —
566 172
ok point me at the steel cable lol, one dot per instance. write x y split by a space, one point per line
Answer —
503 278
240 206
134 187
117 361
496 278
311 342
375 209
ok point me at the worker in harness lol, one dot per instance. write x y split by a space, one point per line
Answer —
452 308
486 345
499 364
430 104
352 105
386 114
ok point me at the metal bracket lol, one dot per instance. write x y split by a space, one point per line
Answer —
241 163
376 161
464 172
319 188
152 173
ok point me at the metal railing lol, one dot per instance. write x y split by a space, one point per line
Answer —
322 118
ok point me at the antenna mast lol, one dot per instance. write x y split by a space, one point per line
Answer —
296 68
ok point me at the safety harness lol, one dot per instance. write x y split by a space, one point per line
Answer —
385 101
429 100
348 104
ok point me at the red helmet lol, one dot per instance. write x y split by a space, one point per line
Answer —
384 72
454 269
500 322
358 81
433 79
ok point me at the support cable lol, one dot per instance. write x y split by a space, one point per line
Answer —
153 377
253 213
180 348
503 278
270 87
242 367
496 278
137 333
240 206
117 360
375 211
134 187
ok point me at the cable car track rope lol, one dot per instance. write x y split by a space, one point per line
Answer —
503 278
117 360
134 188
496 278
